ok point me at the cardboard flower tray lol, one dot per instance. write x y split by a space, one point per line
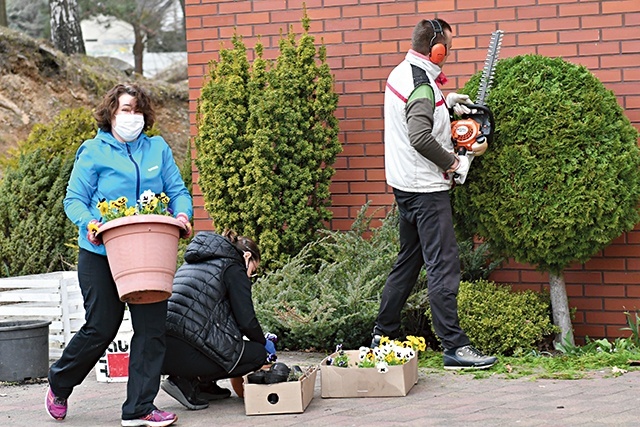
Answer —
367 382
289 397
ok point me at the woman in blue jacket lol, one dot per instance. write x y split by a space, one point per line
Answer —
120 161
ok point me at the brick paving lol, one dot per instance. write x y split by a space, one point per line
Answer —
439 399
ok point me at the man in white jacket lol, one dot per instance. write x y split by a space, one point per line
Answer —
421 167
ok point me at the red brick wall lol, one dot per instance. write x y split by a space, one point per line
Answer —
365 39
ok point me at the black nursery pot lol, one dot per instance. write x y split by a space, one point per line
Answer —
24 349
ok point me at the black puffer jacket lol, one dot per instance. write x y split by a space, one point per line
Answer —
211 306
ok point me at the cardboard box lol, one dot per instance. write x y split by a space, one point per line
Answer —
367 382
291 397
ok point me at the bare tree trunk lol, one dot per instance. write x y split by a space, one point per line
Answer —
138 48
560 308
3 13
66 33
184 15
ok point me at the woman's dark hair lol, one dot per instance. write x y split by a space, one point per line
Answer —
243 244
109 105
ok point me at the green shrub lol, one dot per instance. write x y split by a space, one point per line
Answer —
62 136
35 234
501 321
330 292
267 140
560 180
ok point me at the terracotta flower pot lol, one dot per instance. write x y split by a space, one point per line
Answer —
142 252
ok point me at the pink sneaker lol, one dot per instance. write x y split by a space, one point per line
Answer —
56 407
156 418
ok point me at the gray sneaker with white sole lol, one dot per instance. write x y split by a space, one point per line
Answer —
467 357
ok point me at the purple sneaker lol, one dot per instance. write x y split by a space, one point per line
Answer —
156 418
56 407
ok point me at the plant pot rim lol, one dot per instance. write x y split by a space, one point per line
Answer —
139 219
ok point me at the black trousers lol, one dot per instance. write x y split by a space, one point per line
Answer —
184 360
104 313
426 238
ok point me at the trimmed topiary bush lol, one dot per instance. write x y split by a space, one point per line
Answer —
501 321
561 179
563 169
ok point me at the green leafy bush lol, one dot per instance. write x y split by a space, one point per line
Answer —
501 321
561 179
62 136
330 292
35 234
267 140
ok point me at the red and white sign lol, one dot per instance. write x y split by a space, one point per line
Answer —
113 366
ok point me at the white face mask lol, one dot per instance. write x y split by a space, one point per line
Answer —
128 126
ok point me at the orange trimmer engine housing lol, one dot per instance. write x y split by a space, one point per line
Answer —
472 128
464 133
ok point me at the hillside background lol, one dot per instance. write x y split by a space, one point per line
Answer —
37 82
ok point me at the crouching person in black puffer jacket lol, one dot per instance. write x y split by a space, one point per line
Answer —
209 311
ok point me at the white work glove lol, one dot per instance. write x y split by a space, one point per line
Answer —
457 101
460 174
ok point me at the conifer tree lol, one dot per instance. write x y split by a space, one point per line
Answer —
35 234
221 142
267 153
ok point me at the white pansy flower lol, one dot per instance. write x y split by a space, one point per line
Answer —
146 197
382 367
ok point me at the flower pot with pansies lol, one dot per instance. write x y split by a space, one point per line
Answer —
142 246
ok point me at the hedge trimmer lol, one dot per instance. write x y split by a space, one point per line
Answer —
477 126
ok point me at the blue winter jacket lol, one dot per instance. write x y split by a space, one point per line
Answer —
108 169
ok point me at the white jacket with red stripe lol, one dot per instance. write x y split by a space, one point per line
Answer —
406 169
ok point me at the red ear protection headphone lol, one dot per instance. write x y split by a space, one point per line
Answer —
438 51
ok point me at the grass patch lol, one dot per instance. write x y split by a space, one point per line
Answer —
537 365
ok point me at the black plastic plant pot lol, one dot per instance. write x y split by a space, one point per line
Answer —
24 349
